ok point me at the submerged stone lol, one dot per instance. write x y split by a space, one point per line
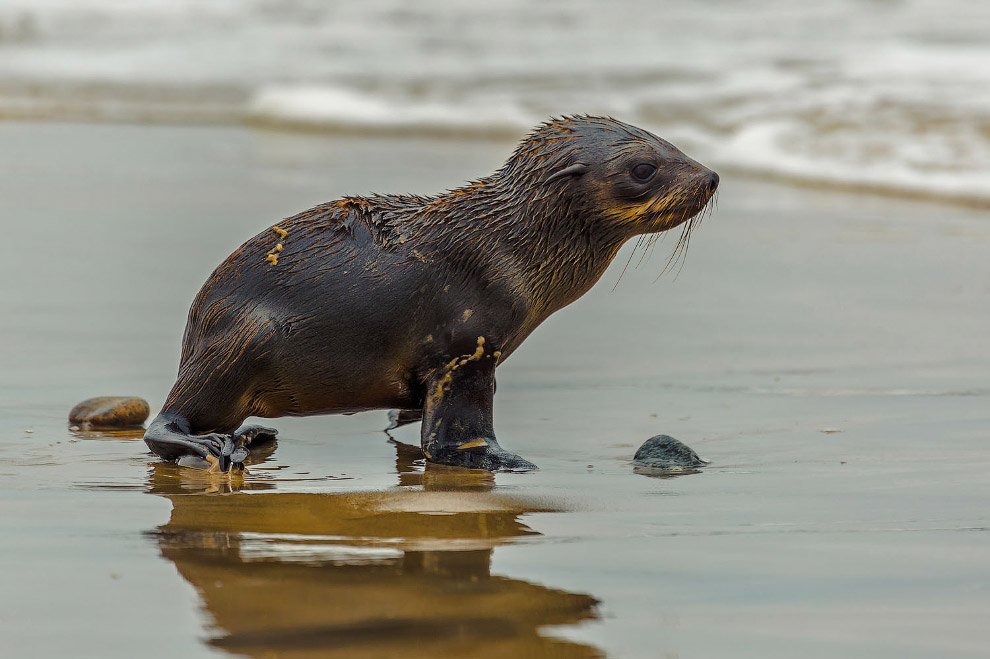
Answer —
665 452
111 411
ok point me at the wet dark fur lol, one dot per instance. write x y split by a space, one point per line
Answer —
373 297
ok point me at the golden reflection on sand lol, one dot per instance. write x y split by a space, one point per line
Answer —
95 432
404 572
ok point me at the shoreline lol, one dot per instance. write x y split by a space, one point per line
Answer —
237 115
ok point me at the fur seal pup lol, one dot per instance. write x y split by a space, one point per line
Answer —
410 303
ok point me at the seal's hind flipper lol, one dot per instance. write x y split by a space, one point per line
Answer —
168 437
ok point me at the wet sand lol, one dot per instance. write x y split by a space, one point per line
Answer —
797 312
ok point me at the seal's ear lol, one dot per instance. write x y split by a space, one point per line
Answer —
577 169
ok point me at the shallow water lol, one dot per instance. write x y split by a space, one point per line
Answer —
887 94
796 312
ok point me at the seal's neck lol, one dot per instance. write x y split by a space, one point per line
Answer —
555 247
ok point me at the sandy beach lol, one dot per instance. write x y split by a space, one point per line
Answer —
827 352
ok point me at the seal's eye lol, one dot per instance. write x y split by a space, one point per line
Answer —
644 171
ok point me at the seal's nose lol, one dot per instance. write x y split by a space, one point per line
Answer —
712 182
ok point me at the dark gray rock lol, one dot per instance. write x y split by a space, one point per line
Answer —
665 452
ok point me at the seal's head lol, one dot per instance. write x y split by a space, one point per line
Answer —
629 180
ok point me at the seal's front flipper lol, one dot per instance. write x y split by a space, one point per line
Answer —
247 435
168 437
481 453
457 419
399 418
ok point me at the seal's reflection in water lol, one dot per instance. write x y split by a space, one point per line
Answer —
404 572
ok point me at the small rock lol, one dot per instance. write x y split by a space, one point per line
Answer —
665 452
111 411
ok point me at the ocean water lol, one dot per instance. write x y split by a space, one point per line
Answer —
886 94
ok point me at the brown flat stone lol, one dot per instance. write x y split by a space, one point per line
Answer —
111 411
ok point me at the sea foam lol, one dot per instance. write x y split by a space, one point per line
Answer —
884 96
